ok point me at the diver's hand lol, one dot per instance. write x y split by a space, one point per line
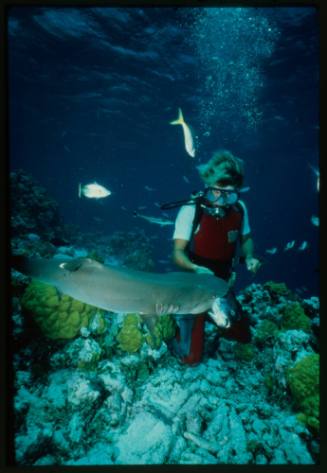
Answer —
253 264
203 270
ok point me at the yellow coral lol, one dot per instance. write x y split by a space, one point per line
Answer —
58 316
130 337
165 329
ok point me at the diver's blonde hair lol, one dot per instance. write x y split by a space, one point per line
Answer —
224 168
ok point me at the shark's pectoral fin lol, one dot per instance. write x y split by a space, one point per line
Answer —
162 309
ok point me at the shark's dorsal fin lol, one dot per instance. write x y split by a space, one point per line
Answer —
73 265
76 264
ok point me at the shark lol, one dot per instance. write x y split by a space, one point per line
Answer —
159 221
124 290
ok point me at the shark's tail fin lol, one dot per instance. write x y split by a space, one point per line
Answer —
180 119
79 190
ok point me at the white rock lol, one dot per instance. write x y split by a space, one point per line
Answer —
146 441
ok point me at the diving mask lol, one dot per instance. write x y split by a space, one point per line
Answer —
221 196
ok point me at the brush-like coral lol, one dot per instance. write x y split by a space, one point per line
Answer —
130 337
266 332
244 352
59 316
303 381
277 289
165 329
294 317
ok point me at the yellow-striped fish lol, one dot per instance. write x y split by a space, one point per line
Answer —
188 138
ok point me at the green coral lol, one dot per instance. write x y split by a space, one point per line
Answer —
294 317
244 352
269 382
277 288
165 329
266 332
58 316
303 381
130 337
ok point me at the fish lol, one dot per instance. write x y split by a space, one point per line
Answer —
289 245
67 148
148 188
272 251
188 138
315 220
304 245
93 191
317 174
244 189
123 290
186 180
159 221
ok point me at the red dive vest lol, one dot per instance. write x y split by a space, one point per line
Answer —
216 238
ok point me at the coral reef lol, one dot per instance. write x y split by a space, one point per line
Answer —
244 352
164 330
130 337
133 248
303 381
32 210
111 399
294 317
277 289
59 316
266 332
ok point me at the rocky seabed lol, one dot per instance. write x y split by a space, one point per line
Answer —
214 413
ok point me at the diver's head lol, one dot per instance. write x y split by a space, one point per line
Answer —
221 195
223 177
223 169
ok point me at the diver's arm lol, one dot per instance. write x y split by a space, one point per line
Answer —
247 246
181 259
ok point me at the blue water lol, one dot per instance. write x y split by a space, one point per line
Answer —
92 91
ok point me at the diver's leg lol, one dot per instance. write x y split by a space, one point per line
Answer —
239 329
188 343
182 342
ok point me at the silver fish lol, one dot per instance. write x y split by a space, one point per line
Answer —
315 220
124 290
304 245
316 172
272 251
289 245
93 191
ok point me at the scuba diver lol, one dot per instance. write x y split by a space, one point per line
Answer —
212 233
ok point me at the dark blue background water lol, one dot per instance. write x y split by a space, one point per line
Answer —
92 91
